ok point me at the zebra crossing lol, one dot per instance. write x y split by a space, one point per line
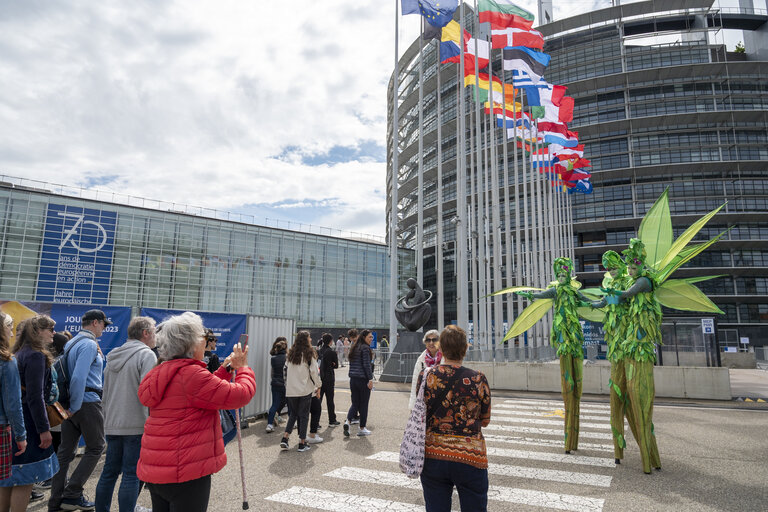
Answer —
526 464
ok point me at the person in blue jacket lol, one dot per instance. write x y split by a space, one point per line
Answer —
38 462
360 381
11 419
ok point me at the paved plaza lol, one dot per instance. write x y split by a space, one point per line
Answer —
713 458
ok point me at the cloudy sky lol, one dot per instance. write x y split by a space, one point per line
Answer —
276 109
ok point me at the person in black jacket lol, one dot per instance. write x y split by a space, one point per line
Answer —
360 381
329 361
279 348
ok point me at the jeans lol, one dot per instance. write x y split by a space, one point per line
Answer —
122 457
327 391
191 496
88 422
278 402
315 410
360 397
440 476
298 407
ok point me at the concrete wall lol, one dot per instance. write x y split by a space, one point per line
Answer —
745 360
670 381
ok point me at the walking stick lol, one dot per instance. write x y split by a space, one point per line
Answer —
240 452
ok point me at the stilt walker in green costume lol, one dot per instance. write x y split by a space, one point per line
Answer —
566 336
616 281
639 316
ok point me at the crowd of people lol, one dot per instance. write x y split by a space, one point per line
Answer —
155 405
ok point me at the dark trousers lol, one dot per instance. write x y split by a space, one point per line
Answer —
298 409
361 395
88 422
327 390
189 496
440 476
315 410
278 402
122 457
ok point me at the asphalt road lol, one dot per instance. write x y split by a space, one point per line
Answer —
713 459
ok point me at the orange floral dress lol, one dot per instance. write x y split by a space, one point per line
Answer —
454 422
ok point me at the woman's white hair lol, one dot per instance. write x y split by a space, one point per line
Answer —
428 333
178 336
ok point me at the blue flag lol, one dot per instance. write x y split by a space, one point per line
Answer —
438 13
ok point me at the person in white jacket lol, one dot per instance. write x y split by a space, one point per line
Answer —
302 380
430 357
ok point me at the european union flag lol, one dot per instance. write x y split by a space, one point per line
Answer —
438 13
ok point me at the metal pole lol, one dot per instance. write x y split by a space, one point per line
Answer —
462 294
393 266
420 179
439 244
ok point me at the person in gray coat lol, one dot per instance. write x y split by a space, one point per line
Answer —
124 415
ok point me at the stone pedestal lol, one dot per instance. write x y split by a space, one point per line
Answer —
399 366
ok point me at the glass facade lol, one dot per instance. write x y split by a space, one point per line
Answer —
652 114
171 260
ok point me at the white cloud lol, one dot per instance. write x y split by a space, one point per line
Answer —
203 102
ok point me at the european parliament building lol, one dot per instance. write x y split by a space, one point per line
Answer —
67 245
660 101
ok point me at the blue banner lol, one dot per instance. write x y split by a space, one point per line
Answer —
68 317
225 326
593 333
76 256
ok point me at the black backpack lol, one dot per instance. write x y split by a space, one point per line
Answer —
62 376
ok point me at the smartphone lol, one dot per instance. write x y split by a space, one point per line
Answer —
243 341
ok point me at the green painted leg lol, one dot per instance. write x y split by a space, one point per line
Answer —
640 387
570 385
578 372
618 388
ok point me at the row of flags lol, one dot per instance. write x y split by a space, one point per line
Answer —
543 130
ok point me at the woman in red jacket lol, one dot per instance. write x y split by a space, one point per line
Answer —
182 444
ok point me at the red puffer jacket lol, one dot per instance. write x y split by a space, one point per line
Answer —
182 437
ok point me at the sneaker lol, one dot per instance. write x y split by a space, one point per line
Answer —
80 503
284 444
270 428
139 508
43 486
36 496
346 429
303 447
315 440
363 432
355 421
334 424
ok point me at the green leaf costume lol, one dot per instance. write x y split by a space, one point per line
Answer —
566 336
639 324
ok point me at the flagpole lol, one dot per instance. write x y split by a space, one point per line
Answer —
497 301
462 289
479 284
473 238
439 244
507 217
420 179
518 253
393 266
528 252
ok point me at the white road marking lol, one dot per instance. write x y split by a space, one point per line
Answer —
339 502
545 431
556 403
563 458
549 410
542 421
550 475
545 414
534 441
495 492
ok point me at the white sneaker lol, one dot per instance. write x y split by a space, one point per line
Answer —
354 421
139 508
315 440
364 432
270 427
